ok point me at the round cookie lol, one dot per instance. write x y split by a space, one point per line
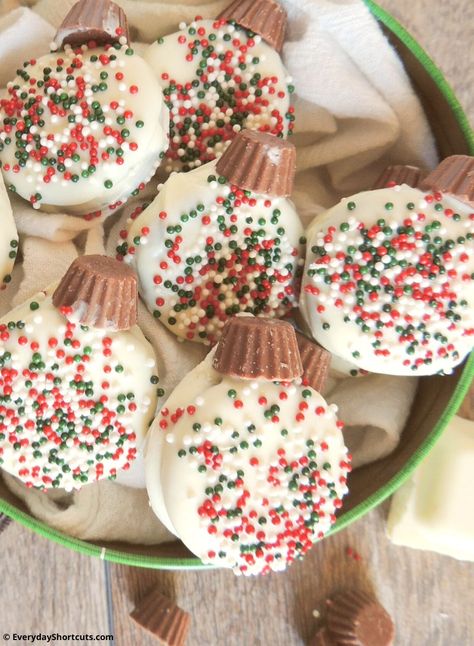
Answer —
78 382
220 240
260 461
82 129
219 77
388 282
8 239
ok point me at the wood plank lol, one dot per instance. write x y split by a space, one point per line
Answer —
47 588
428 595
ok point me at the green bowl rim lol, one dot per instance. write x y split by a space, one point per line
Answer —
193 563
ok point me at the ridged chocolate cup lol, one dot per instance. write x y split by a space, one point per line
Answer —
99 21
316 362
267 18
258 348
101 291
399 174
357 619
454 176
162 618
259 162
4 522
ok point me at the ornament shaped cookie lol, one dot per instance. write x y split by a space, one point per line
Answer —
83 129
388 282
246 464
220 76
78 382
8 239
220 240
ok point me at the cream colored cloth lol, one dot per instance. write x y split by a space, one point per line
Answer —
375 409
355 112
102 511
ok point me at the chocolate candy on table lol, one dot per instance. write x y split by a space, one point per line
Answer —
355 618
162 618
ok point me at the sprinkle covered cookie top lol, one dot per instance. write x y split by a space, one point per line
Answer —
75 402
82 128
262 469
218 78
206 250
388 282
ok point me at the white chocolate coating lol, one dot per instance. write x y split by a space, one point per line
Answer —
203 254
219 97
8 238
432 511
388 281
90 128
75 402
274 452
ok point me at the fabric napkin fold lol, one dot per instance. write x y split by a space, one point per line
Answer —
102 511
355 112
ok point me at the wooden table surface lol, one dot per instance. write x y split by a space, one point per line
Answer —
46 588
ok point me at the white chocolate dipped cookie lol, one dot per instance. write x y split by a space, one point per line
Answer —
388 282
8 239
82 129
220 76
220 240
245 464
78 382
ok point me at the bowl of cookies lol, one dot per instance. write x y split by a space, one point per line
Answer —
237 308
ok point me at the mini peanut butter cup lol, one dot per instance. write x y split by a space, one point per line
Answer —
258 348
267 18
99 292
357 619
99 21
164 619
259 162
316 362
399 174
454 176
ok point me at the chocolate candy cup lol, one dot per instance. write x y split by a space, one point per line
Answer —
98 21
357 619
454 176
165 620
258 348
101 293
267 18
316 362
398 174
259 162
